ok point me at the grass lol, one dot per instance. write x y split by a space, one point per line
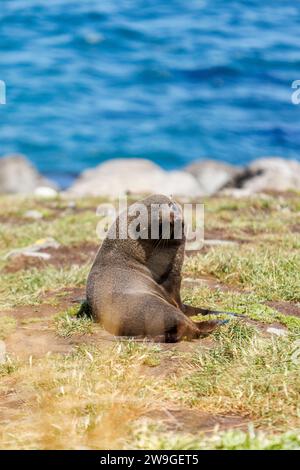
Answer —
67 324
97 398
271 271
120 394
248 304
87 399
7 326
28 287
8 368
247 375
150 438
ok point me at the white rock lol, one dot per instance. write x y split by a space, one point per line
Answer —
179 183
32 214
212 175
220 242
35 250
18 175
45 192
134 176
236 193
277 331
40 255
271 174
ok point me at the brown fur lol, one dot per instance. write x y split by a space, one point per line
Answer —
133 288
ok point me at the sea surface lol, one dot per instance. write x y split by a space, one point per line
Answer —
173 81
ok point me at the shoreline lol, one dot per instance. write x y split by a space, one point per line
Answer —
64 179
204 177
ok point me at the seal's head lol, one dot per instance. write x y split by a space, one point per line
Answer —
156 217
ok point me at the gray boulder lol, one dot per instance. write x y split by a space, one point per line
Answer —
270 174
134 176
18 175
212 175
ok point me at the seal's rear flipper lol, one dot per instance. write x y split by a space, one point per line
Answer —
204 311
191 311
85 310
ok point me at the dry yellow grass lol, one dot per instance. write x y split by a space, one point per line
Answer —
84 400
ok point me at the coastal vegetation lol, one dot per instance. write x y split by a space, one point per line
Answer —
65 383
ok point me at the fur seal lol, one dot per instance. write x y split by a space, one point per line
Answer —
133 287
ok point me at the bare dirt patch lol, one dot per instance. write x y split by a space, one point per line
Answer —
12 220
295 228
194 421
36 342
286 308
63 256
53 212
211 282
35 335
39 339
55 302
224 235
287 194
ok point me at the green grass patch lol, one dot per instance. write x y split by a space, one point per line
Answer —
248 375
9 367
68 324
248 304
272 273
153 437
28 287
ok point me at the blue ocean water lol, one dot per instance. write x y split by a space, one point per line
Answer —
171 81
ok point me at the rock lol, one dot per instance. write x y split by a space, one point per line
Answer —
220 243
35 250
45 192
40 255
2 352
212 175
135 176
36 215
18 175
236 193
270 174
277 331
179 183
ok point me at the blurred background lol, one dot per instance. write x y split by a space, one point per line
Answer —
172 81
